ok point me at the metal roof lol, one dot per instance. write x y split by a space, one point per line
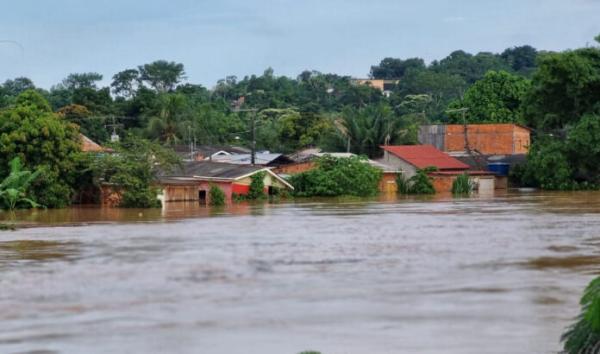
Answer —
422 156
218 170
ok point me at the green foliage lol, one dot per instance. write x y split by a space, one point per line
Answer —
547 164
133 168
402 184
216 196
161 75
420 183
43 141
584 335
393 68
564 88
14 188
257 186
332 177
496 98
566 164
462 185
368 128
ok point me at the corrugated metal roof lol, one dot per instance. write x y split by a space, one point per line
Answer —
218 170
422 156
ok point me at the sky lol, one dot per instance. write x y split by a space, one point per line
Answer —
46 40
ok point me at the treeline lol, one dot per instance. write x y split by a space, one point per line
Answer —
156 102
556 94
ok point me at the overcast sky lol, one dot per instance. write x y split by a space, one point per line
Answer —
46 40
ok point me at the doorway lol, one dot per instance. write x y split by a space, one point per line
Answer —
202 197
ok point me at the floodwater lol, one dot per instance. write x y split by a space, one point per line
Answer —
482 275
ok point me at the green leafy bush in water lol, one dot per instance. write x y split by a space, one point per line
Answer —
420 183
462 184
257 186
583 336
15 187
216 196
332 177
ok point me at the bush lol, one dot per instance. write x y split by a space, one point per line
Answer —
420 183
216 196
332 177
462 185
257 186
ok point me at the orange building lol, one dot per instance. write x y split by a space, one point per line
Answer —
486 139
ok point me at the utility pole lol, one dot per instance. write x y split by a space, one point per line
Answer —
253 129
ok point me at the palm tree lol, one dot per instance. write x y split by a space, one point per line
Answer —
583 337
13 189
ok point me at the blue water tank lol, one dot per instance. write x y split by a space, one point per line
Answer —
500 168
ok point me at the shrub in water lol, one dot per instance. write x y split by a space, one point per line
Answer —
216 196
462 185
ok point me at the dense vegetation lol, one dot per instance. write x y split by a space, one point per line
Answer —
420 183
557 94
333 177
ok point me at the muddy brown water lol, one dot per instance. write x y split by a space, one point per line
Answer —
496 274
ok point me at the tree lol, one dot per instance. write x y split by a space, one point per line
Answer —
44 141
83 80
368 128
521 59
441 87
392 68
14 188
133 169
162 75
125 83
166 118
497 98
564 88
89 125
470 67
584 335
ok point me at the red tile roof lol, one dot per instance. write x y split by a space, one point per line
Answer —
422 156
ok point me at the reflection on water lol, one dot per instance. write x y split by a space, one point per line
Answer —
489 274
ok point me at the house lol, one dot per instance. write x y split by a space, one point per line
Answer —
263 158
193 181
206 152
384 85
484 139
88 145
411 158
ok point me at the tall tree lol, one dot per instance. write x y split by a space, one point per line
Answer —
42 140
393 68
162 75
125 83
497 98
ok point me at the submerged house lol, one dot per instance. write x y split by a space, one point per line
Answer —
193 181
411 158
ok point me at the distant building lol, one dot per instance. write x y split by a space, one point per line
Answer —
260 158
411 158
194 180
484 139
207 152
383 85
